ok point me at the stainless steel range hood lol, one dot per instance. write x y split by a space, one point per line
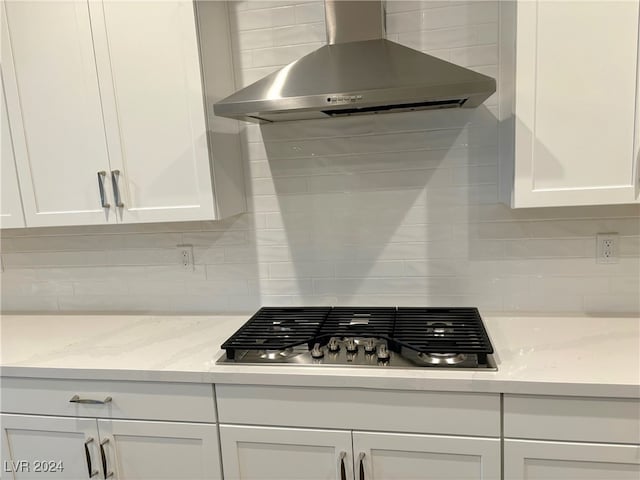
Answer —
358 72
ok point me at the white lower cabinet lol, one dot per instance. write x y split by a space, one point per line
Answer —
540 460
313 433
577 438
391 456
79 448
49 447
108 429
160 450
257 453
251 452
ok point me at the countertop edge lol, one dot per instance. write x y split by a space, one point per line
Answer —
335 380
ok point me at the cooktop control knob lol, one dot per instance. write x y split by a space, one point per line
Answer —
370 346
333 345
316 351
351 345
383 352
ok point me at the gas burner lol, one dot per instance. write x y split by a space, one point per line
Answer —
442 358
440 329
282 326
276 354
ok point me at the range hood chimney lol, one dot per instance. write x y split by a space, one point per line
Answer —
358 72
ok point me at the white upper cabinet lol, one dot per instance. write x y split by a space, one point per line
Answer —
11 215
108 104
153 104
55 114
572 92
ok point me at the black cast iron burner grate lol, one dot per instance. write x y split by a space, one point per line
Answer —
423 330
273 328
442 330
374 322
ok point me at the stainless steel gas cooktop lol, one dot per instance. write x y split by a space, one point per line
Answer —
361 336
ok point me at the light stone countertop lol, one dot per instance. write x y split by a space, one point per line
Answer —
546 355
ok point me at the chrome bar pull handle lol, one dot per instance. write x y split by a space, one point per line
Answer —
103 455
343 470
103 200
115 175
361 466
91 401
87 454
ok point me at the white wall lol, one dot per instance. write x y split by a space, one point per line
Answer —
396 209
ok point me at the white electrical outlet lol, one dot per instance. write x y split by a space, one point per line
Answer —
607 248
185 256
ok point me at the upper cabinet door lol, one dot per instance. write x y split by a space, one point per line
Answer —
53 102
11 215
149 68
575 103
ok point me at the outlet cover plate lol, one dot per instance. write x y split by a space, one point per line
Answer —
607 247
185 256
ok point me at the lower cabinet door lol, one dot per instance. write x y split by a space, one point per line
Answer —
538 460
135 450
392 456
256 453
49 447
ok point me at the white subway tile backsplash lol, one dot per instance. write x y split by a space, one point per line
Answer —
301 269
569 285
250 39
281 55
548 248
394 209
208 255
220 287
475 56
402 21
55 259
99 287
250 75
607 304
530 302
291 35
29 303
214 238
624 286
629 246
279 286
365 269
37 288
309 12
148 256
265 17
460 14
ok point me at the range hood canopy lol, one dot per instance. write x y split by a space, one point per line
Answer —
358 72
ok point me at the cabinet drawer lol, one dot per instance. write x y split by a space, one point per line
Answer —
614 420
360 409
129 400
